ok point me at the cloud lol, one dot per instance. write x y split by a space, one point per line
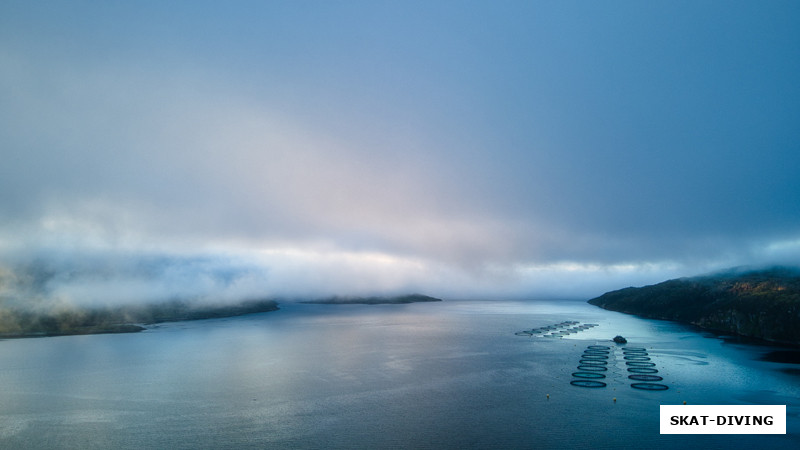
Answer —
342 154
109 278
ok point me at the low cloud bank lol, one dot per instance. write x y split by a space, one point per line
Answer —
104 278
97 279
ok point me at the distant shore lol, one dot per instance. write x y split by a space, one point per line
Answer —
413 298
69 321
18 323
111 329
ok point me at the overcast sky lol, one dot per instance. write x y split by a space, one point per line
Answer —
462 149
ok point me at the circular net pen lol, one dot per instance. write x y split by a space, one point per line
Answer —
640 364
599 347
642 370
650 386
587 375
593 362
643 377
637 358
588 383
596 352
595 357
634 353
634 349
592 368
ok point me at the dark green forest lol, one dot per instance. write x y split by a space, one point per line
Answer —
70 319
761 304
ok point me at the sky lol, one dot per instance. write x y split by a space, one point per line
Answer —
463 149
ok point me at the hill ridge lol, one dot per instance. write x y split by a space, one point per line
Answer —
756 303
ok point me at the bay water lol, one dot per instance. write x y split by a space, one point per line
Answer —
450 374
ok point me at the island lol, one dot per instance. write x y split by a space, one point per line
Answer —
762 304
61 320
411 298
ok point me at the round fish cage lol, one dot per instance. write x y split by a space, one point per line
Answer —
643 377
637 358
587 375
592 368
640 364
588 383
634 349
642 370
594 357
593 362
650 386
599 347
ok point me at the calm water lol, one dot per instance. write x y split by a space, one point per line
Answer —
444 375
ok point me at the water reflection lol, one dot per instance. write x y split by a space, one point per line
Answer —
450 374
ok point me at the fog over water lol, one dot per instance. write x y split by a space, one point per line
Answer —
303 149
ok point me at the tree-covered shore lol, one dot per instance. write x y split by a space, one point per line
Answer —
69 319
762 304
60 320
